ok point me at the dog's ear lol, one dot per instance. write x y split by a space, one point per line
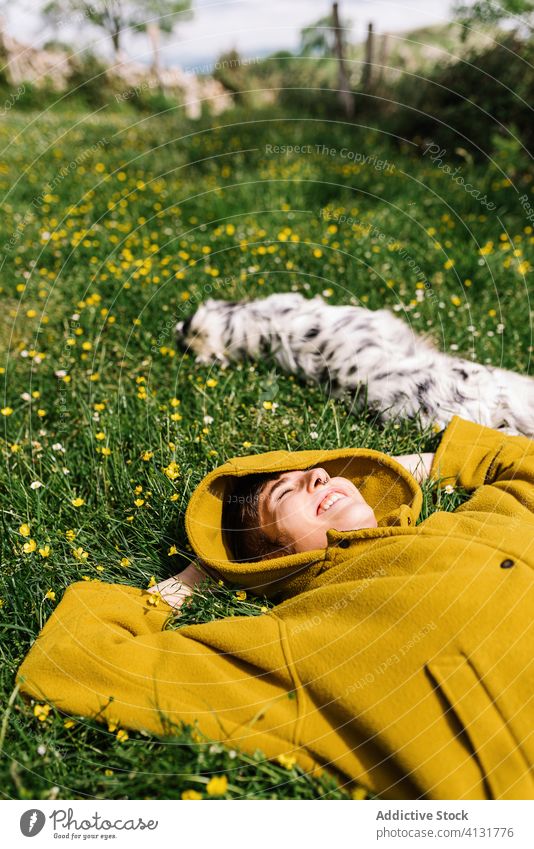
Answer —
179 328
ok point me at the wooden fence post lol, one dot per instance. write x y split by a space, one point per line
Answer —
367 74
345 94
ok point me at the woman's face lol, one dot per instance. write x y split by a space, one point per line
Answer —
299 507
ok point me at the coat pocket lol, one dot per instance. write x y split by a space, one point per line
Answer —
504 767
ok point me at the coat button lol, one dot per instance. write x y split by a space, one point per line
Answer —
506 564
344 543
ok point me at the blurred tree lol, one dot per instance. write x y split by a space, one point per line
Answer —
114 16
325 38
490 12
241 76
161 17
319 38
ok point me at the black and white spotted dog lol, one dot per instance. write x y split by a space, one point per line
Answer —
351 347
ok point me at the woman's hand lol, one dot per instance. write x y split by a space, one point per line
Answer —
176 589
418 465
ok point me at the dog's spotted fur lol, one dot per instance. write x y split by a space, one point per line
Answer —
351 348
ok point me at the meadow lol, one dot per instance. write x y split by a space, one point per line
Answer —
114 227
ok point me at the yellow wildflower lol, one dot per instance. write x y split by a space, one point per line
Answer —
172 470
217 785
241 595
172 550
50 595
122 735
29 546
125 562
24 530
210 382
70 535
69 723
287 761
190 795
80 554
45 551
41 711
6 411
139 502
147 455
100 435
77 502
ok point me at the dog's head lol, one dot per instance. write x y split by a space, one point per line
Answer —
205 333
229 330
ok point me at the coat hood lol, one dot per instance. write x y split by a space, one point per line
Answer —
388 488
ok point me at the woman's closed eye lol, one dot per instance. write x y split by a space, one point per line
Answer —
284 492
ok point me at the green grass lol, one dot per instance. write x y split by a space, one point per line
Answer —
96 269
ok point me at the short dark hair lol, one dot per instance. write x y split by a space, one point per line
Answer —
247 540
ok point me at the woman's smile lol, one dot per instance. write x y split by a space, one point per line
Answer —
328 501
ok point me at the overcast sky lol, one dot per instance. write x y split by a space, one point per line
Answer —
253 27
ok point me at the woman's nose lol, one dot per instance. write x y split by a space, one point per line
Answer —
317 477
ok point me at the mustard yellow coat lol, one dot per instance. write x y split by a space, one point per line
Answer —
400 656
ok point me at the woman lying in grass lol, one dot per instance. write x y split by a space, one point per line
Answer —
398 655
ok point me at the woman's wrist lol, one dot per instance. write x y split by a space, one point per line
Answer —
191 575
418 465
176 589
